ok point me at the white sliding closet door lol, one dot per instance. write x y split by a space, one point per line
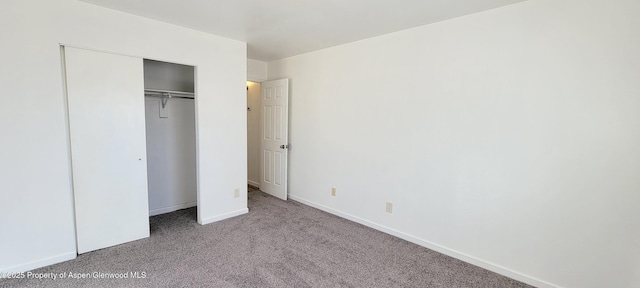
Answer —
107 127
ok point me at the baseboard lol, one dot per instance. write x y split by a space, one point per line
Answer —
430 245
171 208
224 216
253 183
39 263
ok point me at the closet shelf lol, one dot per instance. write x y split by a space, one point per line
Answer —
168 93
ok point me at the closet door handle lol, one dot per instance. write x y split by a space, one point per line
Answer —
284 146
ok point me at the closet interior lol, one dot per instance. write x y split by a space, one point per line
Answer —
170 136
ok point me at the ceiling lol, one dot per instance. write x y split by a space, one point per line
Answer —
276 29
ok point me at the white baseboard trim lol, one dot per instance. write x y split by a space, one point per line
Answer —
171 208
39 263
430 245
224 216
253 183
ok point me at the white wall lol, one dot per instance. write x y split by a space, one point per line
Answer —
256 70
171 155
36 214
508 138
254 133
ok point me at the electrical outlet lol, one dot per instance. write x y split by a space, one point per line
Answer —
333 191
236 193
389 207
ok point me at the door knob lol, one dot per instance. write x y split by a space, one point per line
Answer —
284 146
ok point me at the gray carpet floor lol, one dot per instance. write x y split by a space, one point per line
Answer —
278 244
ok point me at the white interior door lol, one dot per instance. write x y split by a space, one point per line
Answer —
105 95
275 126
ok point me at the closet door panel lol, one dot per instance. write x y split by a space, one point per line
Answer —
108 147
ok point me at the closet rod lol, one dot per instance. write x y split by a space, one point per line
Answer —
168 96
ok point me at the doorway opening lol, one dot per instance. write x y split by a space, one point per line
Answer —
131 142
171 137
254 132
267 136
